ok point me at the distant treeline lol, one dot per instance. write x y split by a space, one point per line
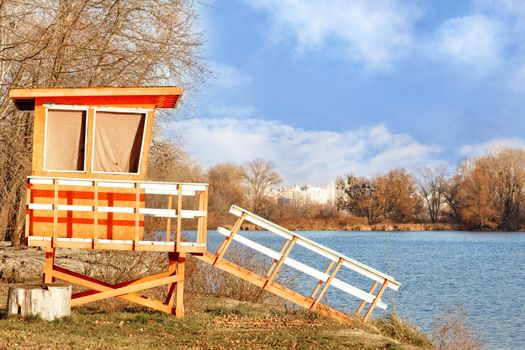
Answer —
482 193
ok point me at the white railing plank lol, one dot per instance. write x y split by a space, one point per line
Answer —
336 283
83 183
160 213
127 210
40 206
63 207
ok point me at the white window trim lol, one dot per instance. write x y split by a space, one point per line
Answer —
66 108
145 112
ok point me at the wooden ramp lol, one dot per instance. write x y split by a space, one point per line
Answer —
326 278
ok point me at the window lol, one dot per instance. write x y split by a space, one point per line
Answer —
118 141
65 140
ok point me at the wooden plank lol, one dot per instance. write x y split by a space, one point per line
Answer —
137 215
341 285
274 288
327 284
99 286
28 213
179 302
376 300
284 255
55 212
179 217
95 215
95 91
363 303
228 240
320 283
168 220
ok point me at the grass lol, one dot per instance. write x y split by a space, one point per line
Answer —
211 323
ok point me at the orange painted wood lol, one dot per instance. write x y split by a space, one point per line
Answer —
373 304
320 283
363 303
221 251
327 284
287 251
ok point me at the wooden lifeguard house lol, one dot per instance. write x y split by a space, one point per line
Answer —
87 190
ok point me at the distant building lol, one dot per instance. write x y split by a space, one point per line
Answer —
323 194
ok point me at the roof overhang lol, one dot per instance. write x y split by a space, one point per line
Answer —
160 96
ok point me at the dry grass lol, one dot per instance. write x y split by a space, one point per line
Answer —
212 323
451 332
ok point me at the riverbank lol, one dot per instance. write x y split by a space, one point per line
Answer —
211 323
349 224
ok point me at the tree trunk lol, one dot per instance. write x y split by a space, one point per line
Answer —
47 301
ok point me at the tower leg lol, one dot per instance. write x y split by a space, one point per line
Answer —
48 265
179 306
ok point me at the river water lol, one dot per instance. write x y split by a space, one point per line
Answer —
482 273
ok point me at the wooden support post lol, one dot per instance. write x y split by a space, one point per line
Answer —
179 305
320 283
281 262
179 217
363 303
202 225
95 215
327 284
28 217
228 240
168 219
137 215
377 298
49 264
275 261
172 269
55 214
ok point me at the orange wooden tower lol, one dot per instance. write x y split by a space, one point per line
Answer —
88 190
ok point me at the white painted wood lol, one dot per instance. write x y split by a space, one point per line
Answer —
40 181
191 214
193 188
167 192
318 248
336 283
160 187
47 301
128 210
161 213
39 238
63 207
74 239
163 243
115 241
116 184
192 244
40 206
83 183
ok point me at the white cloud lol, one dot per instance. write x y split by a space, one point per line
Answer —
301 156
374 33
476 41
472 150
227 76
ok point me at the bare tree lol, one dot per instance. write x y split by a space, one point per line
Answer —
226 188
48 43
260 177
359 197
430 182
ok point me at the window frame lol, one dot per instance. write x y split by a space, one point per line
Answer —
84 109
144 111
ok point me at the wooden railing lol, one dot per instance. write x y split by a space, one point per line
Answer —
326 278
104 214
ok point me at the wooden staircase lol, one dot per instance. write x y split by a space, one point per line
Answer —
326 279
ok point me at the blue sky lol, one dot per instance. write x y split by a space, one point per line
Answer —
325 88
